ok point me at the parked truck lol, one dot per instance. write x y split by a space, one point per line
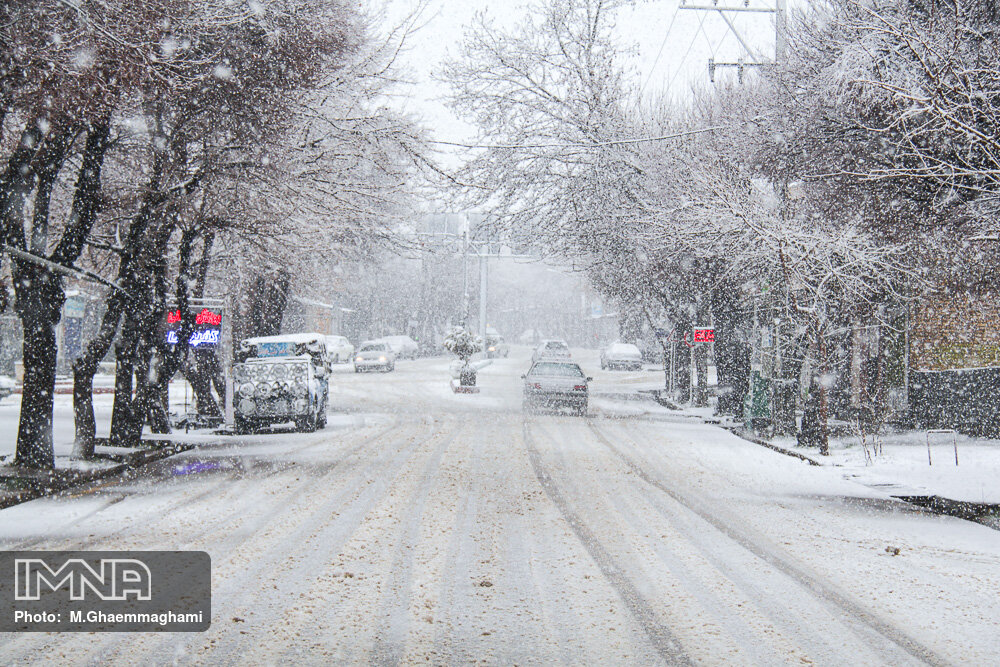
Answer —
281 379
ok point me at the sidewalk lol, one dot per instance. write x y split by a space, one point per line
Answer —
970 489
903 468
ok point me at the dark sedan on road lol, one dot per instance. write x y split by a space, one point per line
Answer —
556 384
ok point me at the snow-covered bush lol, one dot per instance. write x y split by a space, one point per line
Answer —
462 343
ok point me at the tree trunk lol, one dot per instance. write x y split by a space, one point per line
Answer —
121 411
83 408
34 435
199 374
84 369
40 297
814 431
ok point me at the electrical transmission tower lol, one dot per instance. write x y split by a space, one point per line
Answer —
753 59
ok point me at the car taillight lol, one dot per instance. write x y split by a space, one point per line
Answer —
536 385
580 387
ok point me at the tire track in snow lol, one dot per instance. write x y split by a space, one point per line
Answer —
270 542
864 622
321 523
624 520
459 558
281 625
660 636
262 521
132 477
499 601
394 605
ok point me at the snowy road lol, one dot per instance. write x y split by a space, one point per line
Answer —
428 527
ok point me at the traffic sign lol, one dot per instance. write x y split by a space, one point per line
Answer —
704 335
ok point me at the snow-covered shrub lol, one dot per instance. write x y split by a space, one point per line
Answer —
462 343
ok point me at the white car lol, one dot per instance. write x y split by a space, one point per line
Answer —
404 347
281 379
339 349
7 385
621 355
374 355
551 383
553 349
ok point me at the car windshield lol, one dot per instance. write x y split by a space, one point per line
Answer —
373 347
555 345
565 370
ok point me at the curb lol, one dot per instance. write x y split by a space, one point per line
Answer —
56 482
741 432
62 389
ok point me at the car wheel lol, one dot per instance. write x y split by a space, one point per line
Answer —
321 418
305 424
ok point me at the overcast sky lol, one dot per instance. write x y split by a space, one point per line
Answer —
671 48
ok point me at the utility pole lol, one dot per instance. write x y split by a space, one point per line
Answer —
483 264
752 59
465 277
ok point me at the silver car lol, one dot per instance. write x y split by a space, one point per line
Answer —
403 347
374 355
621 355
551 349
339 349
556 384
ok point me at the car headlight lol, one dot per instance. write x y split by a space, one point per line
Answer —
382 359
492 349
360 359
247 406
263 389
246 389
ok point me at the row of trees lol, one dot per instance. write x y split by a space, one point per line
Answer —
815 200
171 147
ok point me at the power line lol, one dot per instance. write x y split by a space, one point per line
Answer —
680 67
656 61
752 60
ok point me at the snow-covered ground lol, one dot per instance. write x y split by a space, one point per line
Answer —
443 528
181 400
903 464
